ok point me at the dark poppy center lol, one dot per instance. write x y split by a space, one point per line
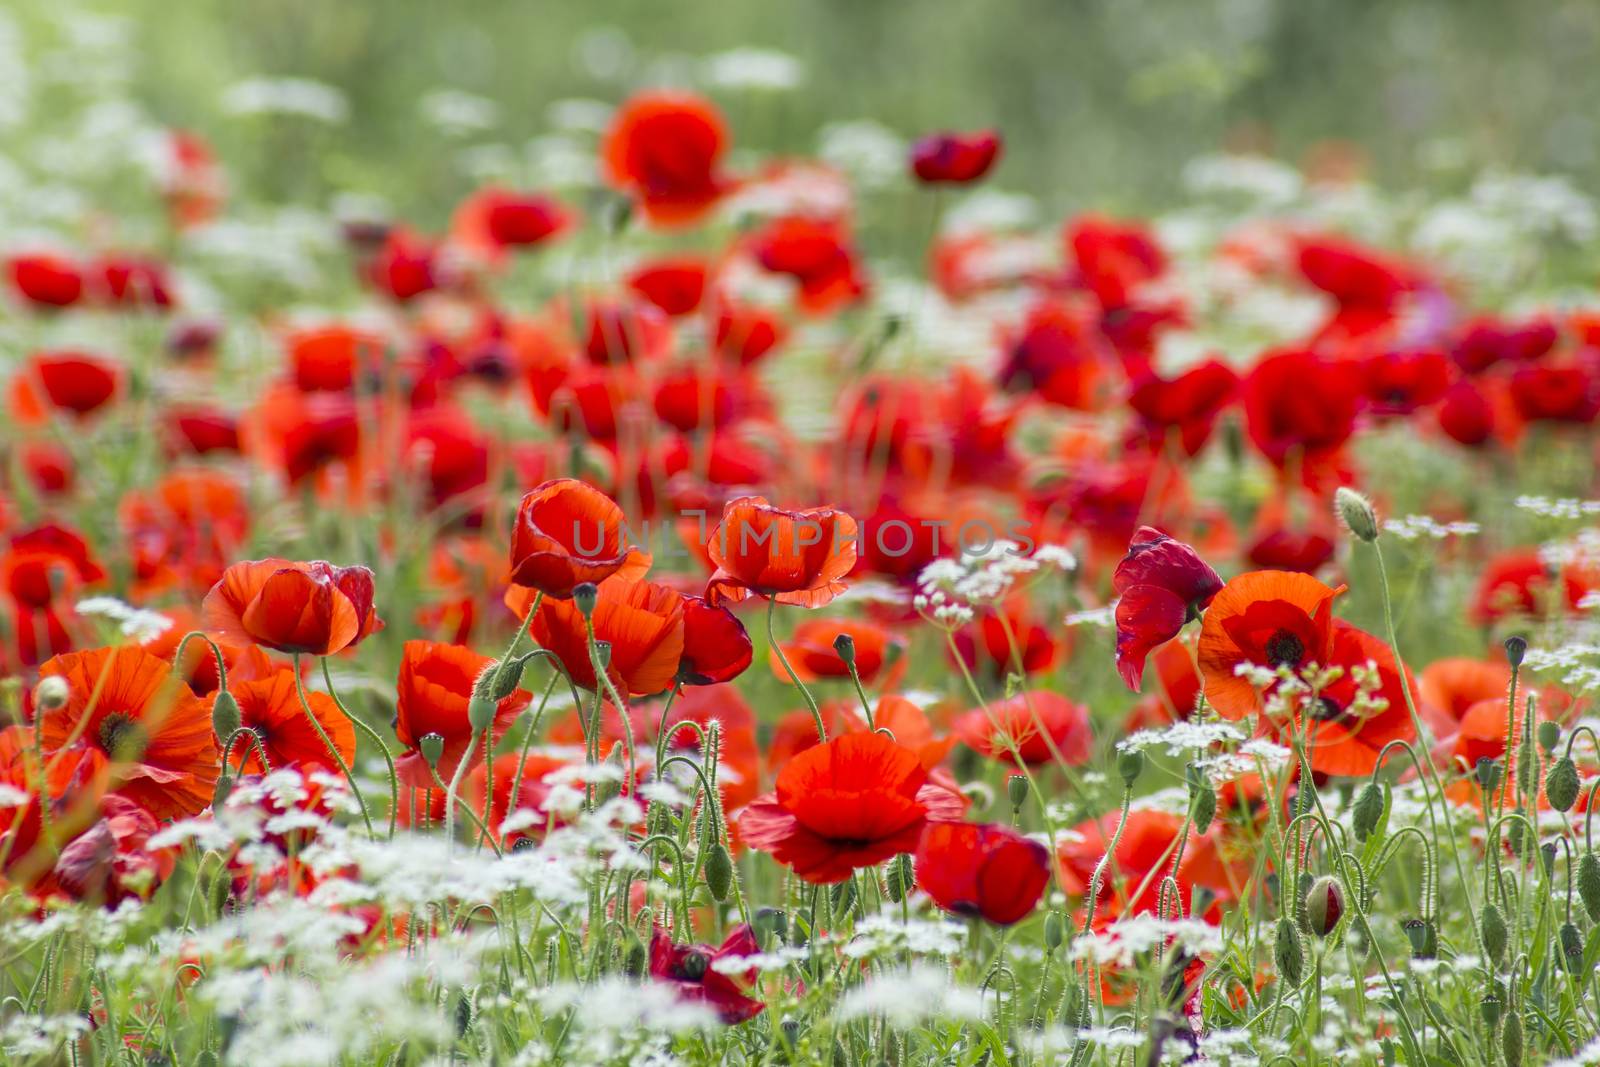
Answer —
1325 709
1284 649
693 966
121 737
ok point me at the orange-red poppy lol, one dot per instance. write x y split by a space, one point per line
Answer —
434 688
244 662
794 557
77 777
566 533
642 622
1037 723
1448 687
313 608
664 148
1268 619
144 720
270 708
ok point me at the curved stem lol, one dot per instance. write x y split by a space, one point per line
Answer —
777 650
344 768
377 741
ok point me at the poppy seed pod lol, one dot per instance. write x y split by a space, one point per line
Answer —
225 716
1324 905
1490 1008
1489 773
1423 937
1516 648
1357 514
584 595
1017 791
1130 765
51 694
432 747
1561 784
845 646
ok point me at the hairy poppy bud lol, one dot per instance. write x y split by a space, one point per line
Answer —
634 958
1589 884
1356 512
1424 939
1287 952
1130 765
1547 854
1324 905
1571 948
51 694
1054 931
221 791
432 747
480 712
1495 936
1561 784
225 718
1548 734
1516 648
1368 810
1511 1040
845 646
719 871
1017 791
584 595
898 880
1202 806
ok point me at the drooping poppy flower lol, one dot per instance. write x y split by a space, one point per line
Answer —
1268 619
675 284
643 622
811 652
566 533
664 148
793 557
1177 689
1187 405
1162 584
989 871
1034 726
434 687
1060 356
47 280
856 801
954 158
817 254
312 608
270 708
690 971
72 382
716 646
154 732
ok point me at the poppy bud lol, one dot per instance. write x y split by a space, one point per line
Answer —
719 871
480 712
1324 905
1130 764
1355 511
1547 854
225 717
1368 810
584 595
51 694
845 646
1571 948
898 880
1490 774
1511 1040
1561 784
1424 939
432 747
220 792
1287 953
1515 832
1516 648
1589 884
1202 806
1548 733
1495 935
1054 931
634 958
1017 791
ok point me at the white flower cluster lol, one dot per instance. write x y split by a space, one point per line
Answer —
1181 737
1124 941
1417 527
300 97
950 589
137 623
905 997
1558 507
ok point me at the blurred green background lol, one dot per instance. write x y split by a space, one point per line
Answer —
1101 103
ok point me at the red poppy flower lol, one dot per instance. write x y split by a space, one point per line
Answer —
1279 548
1448 687
1131 883
985 871
243 660
313 608
182 532
691 396
817 254
664 148
1268 619
1356 277
111 861
1037 723
76 383
155 732
1344 734
1060 356
855 801
811 652
404 266
41 571
1486 340
1399 383
1009 640
493 220
1187 405
1162 584
1177 689
1295 402
619 332
434 687
1547 393
643 622
794 557
134 281
954 158
1114 258
330 358
77 778
1466 415
689 970
202 431
270 707
1521 583
566 533
532 794
716 647
47 280
674 284
744 333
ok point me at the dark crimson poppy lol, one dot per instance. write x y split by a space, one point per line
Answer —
77 383
1298 402
642 621
434 686
811 651
203 430
1059 355
1279 548
270 708
134 281
989 871
794 557
954 158
1399 383
1037 723
1114 258
404 266
664 148
1187 405
1161 584
1487 340
674 284
817 254
716 647
153 731
1547 393
313 608
47 280
1268 619
1466 415
855 801
566 533
689 970
744 333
